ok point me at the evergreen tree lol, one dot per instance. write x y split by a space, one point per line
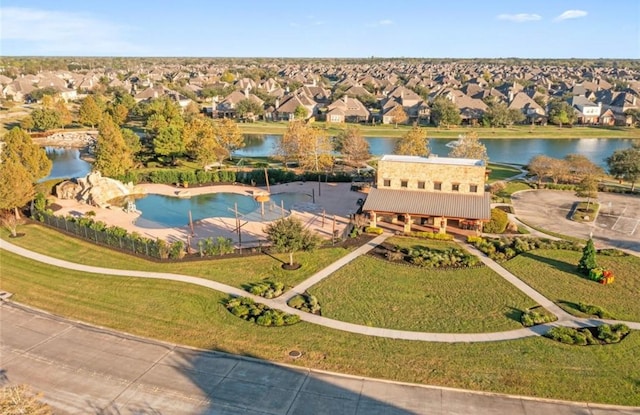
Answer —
289 235
588 260
113 157
200 136
90 112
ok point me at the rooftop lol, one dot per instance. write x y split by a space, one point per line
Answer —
433 160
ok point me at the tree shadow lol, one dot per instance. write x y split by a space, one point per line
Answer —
514 314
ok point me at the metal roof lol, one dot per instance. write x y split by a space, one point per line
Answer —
433 160
452 205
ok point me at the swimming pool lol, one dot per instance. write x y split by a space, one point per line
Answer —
160 211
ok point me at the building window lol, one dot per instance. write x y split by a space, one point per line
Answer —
404 183
437 185
455 187
421 185
473 188
387 183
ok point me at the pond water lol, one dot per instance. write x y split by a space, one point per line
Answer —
66 163
512 150
160 211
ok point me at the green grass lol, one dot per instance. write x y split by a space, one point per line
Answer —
554 275
409 242
231 271
520 131
554 234
193 316
512 187
501 172
384 294
585 212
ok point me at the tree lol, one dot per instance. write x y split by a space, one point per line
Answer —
540 166
63 113
288 235
45 119
398 115
560 112
27 123
470 147
499 115
445 112
315 150
301 112
625 164
588 260
413 143
90 112
580 166
118 112
200 136
353 145
113 157
132 141
169 142
248 107
588 187
227 77
634 113
228 137
162 113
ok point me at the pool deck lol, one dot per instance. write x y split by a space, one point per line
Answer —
330 198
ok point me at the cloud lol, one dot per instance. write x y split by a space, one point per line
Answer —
520 17
49 32
570 14
385 22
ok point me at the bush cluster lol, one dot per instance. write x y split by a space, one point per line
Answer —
531 318
498 223
430 235
606 334
612 252
218 246
502 249
555 186
594 310
247 309
374 230
173 176
434 258
306 302
267 289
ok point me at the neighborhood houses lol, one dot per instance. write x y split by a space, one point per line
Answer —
393 91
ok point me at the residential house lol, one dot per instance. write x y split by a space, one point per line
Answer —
227 107
285 111
587 112
347 109
533 112
435 192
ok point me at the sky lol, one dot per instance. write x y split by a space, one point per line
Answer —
322 28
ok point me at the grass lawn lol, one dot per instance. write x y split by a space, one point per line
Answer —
193 316
519 131
553 273
231 271
586 212
512 187
501 172
378 293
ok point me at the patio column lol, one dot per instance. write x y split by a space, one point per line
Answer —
407 223
373 219
443 225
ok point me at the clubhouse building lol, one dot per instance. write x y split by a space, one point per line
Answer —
431 192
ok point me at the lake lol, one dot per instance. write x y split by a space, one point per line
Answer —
512 150
67 162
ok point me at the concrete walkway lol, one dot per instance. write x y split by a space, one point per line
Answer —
280 303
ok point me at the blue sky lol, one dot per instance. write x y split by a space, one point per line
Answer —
294 28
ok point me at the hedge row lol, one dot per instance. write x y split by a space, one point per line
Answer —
247 309
434 258
502 249
605 334
430 235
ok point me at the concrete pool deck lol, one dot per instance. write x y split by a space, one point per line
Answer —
330 198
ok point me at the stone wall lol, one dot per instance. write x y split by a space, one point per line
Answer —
447 175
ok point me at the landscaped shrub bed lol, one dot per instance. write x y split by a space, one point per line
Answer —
430 235
373 229
249 310
266 289
426 257
585 212
594 310
532 317
605 334
306 302
502 249
498 223
218 246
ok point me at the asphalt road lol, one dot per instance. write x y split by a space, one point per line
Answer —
83 369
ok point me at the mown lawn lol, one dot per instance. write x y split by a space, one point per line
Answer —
231 271
193 316
553 273
501 172
379 293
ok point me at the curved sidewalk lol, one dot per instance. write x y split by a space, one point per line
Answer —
315 319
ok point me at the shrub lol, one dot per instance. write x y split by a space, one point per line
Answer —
612 333
260 314
219 246
394 255
506 248
374 230
267 289
607 334
430 235
498 222
306 302
176 250
531 318
594 310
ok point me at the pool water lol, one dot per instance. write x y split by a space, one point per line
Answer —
167 211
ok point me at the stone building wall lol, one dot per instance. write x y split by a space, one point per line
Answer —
448 175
